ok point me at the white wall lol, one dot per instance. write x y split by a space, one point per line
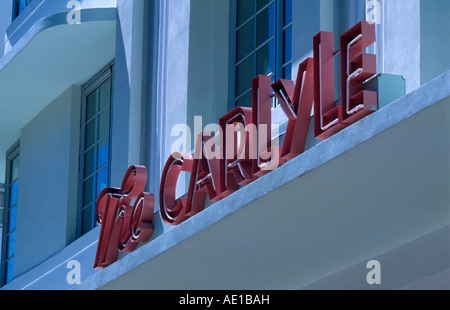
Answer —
434 38
208 61
5 21
402 40
49 149
167 80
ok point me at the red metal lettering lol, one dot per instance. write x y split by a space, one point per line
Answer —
262 153
239 163
173 211
205 179
327 114
297 105
356 67
205 174
330 116
236 163
123 226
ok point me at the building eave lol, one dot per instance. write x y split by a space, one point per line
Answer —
49 58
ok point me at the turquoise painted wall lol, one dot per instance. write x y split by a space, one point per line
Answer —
46 216
434 38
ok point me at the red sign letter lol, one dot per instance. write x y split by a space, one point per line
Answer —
236 164
356 67
123 225
297 105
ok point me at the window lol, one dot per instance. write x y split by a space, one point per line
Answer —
263 44
2 200
19 6
10 214
95 148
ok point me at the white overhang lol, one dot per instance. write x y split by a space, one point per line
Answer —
49 58
373 188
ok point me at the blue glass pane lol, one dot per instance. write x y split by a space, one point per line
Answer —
245 101
103 124
16 8
102 180
265 25
287 72
103 152
265 59
287 16
244 75
88 218
11 242
90 134
105 93
22 5
261 3
9 270
245 9
13 193
245 40
12 215
15 168
89 190
287 39
89 162
91 104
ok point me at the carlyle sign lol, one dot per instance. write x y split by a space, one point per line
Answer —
245 150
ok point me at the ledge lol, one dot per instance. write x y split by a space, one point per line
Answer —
371 188
28 22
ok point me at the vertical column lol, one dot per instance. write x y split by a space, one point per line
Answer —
401 34
168 103
120 103
435 39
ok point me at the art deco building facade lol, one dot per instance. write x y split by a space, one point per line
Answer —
89 88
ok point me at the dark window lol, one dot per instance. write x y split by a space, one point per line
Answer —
19 6
10 214
263 44
95 147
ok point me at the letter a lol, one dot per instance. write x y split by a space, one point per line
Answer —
74 275
74 16
374 275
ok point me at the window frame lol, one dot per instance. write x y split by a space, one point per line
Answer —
279 63
11 154
86 89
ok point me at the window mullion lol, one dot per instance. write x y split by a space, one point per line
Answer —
101 155
276 57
